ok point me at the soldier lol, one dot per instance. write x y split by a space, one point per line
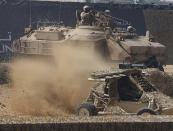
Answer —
106 88
109 20
107 12
86 16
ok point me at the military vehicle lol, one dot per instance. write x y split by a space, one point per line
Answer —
128 90
115 45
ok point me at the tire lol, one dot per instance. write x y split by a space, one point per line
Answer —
86 109
150 111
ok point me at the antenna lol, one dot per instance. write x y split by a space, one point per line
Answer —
59 12
30 15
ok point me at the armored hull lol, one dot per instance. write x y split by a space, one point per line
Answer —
136 50
119 47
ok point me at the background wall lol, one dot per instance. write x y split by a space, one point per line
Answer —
160 24
15 18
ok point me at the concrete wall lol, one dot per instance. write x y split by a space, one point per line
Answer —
103 126
159 22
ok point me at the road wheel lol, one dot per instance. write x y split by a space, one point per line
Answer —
86 109
146 112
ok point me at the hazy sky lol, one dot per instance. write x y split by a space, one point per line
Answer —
166 0
83 0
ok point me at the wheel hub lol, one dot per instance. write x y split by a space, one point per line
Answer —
84 112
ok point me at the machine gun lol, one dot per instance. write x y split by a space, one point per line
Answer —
103 16
130 66
103 20
150 63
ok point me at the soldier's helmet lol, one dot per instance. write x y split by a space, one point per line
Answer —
107 12
86 8
130 29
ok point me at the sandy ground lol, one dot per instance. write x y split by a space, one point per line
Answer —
5 97
8 115
76 120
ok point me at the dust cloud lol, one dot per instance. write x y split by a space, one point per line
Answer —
53 88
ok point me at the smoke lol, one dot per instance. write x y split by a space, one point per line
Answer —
42 87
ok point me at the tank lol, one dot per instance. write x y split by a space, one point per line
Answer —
119 46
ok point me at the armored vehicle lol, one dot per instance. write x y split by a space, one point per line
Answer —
125 90
113 43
